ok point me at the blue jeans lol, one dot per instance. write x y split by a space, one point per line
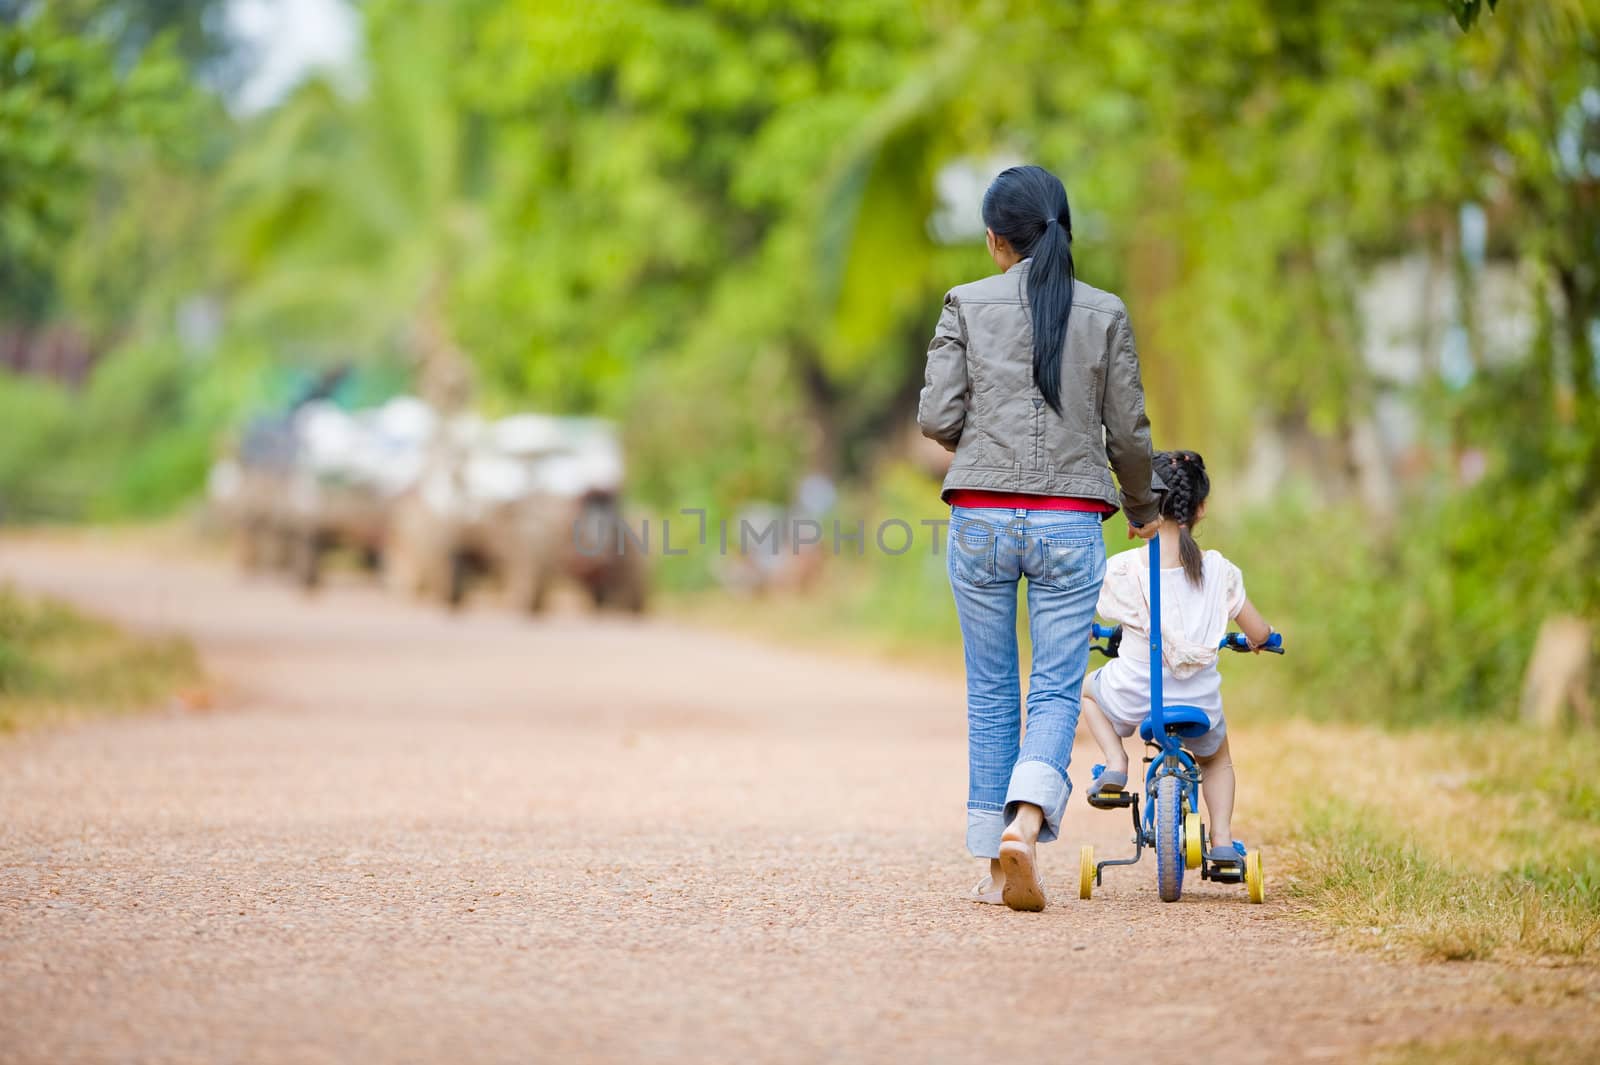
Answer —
1064 558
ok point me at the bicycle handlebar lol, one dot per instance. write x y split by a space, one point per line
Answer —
1233 641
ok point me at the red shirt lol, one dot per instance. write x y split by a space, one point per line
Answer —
972 497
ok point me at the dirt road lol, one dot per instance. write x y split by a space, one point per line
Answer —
404 837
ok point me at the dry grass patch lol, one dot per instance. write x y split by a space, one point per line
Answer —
1451 842
57 663
1500 1050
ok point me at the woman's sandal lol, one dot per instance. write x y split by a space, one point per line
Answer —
1107 781
1023 890
986 893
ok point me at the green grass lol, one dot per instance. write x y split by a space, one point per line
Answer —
56 662
1447 842
1365 871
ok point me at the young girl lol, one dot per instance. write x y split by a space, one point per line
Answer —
1200 594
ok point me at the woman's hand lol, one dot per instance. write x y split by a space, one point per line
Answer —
1142 532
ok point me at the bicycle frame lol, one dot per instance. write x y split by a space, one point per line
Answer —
1171 759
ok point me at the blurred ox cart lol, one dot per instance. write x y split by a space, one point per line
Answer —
319 479
528 502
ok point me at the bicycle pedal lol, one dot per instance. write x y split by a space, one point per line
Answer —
1111 800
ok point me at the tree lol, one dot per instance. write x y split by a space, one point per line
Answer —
345 221
69 118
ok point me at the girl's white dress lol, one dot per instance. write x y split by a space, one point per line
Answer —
1193 621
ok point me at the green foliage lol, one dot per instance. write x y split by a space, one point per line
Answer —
134 443
38 420
69 112
198 29
690 189
1432 614
343 221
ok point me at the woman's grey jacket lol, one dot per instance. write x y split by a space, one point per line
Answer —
979 399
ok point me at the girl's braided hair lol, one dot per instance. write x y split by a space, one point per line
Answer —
1184 473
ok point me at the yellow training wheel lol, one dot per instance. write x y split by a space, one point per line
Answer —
1085 871
1253 883
1191 840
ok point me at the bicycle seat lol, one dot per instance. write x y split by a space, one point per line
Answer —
1185 721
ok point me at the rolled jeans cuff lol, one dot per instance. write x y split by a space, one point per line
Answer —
1046 787
983 832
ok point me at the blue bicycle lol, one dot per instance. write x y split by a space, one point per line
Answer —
1171 822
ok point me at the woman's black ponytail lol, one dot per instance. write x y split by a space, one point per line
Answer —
1188 485
1027 205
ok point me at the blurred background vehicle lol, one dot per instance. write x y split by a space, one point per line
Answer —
351 469
317 478
528 501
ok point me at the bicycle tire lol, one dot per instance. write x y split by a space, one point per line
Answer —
1169 838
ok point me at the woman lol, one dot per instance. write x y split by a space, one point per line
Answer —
1033 382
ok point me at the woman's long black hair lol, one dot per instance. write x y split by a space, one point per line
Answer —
1027 205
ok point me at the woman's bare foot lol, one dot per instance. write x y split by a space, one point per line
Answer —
1020 888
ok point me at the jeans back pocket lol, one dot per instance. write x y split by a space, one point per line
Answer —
1069 562
973 545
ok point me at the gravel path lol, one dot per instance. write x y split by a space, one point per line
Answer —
401 836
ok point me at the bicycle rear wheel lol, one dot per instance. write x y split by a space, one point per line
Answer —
1169 838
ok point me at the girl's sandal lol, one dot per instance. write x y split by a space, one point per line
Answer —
986 893
1227 852
1107 781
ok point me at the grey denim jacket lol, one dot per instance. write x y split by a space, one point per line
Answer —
979 399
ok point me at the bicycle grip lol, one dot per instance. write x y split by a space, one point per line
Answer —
1236 641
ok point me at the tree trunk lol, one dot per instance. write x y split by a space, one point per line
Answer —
822 405
1558 674
1580 347
444 375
